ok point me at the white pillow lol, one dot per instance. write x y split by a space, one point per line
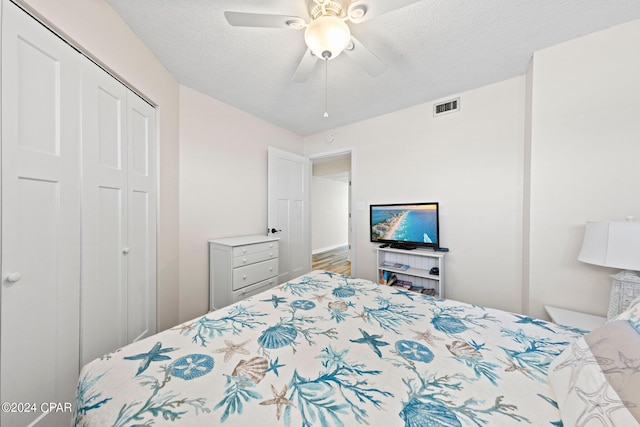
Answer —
594 380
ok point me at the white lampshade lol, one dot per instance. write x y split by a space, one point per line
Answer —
327 36
613 244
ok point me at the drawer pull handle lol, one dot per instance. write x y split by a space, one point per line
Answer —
244 277
244 260
270 268
271 254
244 251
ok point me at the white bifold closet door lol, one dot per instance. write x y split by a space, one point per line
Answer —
78 208
118 211
40 218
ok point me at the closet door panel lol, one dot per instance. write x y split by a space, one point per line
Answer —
142 219
141 287
104 222
40 293
140 122
38 91
110 115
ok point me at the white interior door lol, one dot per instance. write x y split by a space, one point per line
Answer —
118 228
104 219
40 296
141 236
289 215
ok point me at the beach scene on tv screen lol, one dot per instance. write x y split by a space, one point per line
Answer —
410 223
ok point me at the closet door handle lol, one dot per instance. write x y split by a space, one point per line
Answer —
125 251
14 277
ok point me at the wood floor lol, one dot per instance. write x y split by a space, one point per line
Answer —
335 260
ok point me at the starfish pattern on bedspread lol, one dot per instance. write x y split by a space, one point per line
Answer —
279 400
372 341
153 355
231 349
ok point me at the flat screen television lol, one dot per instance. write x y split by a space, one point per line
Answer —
405 225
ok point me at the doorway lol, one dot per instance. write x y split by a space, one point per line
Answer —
331 228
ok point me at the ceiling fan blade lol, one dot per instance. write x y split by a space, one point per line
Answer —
262 20
363 10
363 56
305 67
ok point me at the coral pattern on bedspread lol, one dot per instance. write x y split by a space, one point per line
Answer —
331 350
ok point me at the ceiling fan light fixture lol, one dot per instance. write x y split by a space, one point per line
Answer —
327 36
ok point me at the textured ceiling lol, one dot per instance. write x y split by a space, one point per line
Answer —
432 49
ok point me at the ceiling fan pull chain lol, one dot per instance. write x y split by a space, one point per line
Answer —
326 85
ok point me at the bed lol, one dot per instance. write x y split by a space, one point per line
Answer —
326 349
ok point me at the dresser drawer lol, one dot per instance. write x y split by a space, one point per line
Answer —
252 258
240 266
254 289
254 248
245 276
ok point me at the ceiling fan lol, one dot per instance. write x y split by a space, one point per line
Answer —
327 34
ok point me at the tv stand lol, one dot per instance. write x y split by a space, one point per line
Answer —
415 267
405 246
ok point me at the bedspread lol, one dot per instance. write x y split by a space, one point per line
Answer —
326 349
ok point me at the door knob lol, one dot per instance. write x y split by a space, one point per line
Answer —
273 230
14 277
125 251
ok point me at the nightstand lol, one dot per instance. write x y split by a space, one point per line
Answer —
574 319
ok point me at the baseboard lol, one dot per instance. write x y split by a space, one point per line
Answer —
328 248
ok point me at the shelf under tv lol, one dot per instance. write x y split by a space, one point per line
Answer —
419 262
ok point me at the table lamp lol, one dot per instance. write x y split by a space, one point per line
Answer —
615 244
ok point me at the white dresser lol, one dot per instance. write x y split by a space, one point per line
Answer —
240 267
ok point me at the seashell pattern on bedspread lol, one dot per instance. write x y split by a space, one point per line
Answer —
334 351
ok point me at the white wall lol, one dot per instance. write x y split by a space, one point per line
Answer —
96 29
471 162
585 149
223 184
584 143
329 214
518 172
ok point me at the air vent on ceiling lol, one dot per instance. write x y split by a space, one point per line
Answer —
446 107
